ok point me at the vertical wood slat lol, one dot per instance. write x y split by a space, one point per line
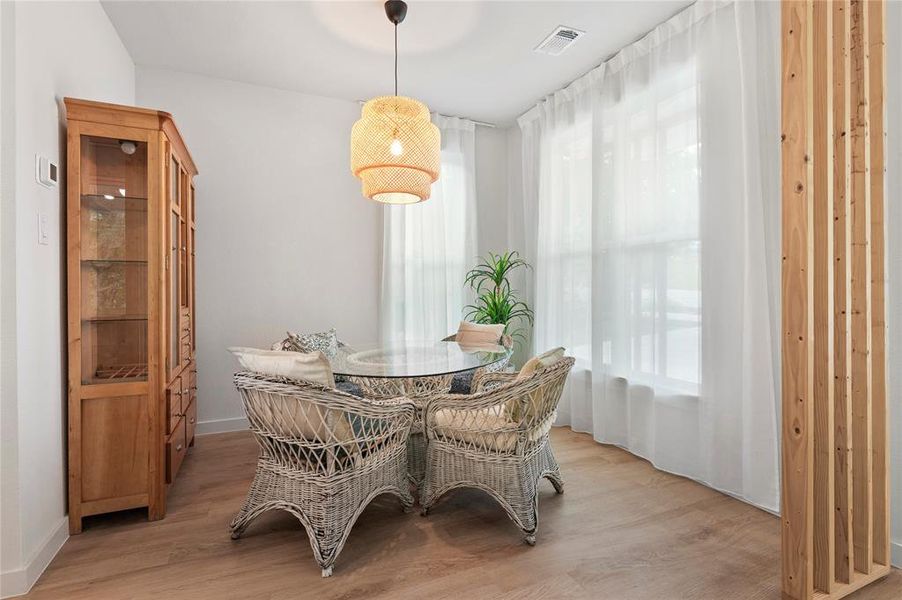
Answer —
822 305
862 491
876 85
842 348
797 351
835 430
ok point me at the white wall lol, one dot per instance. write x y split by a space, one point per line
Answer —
284 238
60 49
10 540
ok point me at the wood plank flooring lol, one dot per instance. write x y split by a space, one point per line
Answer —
622 530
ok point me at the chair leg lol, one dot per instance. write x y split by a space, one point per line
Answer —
252 506
328 541
556 480
528 507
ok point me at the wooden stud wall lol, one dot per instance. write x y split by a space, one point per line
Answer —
835 501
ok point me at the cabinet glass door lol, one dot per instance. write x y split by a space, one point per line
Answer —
113 260
192 272
175 244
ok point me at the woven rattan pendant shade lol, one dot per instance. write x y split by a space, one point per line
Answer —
395 150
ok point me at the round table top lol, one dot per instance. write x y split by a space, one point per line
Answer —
414 359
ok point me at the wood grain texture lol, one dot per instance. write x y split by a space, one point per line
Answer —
876 167
797 288
822 305
622 531
114 451
842 347
73 307
156 508
862 490
833 288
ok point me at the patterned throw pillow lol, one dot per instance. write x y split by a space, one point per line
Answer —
326 342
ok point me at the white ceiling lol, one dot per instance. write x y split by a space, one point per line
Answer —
469 59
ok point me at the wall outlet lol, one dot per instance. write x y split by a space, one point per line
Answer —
43 237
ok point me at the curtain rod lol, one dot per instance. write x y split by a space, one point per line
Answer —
475 122
610 57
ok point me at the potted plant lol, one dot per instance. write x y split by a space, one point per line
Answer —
496 302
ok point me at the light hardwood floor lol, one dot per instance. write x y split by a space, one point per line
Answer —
621 530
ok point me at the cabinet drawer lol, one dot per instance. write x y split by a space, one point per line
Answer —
174 395
191 392
184 350
176 448
184 321
184 335
190 421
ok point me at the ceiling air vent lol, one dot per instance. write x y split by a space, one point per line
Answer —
559 40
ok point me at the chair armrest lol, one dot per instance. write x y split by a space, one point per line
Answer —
485 380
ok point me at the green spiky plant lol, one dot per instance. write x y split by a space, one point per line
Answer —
496 302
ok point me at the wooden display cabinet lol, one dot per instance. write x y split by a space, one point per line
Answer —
132 373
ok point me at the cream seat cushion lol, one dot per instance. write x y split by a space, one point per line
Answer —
487 428
289 416
543 361
474 334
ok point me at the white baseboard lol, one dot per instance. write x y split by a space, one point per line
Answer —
18 582
221 425
896 554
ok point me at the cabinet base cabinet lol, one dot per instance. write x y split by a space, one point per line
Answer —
130 269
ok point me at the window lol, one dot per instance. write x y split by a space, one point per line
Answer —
650 306
428 248
618 270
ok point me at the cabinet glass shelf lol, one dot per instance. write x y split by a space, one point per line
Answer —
113 201
101 262
114 318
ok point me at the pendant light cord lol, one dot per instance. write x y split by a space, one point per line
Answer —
396 59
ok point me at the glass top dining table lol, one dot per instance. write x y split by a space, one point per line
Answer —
414 359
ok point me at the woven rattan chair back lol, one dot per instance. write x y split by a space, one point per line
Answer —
324 455
497 440
309 427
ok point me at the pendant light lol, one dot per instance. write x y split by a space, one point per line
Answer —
395 148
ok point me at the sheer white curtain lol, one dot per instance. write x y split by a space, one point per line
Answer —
427 247
657 258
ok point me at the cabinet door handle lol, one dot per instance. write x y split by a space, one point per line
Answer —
178 448
192 420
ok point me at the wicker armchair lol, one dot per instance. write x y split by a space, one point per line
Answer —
324 455
496 440
420 389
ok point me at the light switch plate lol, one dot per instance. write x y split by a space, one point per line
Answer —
43 238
